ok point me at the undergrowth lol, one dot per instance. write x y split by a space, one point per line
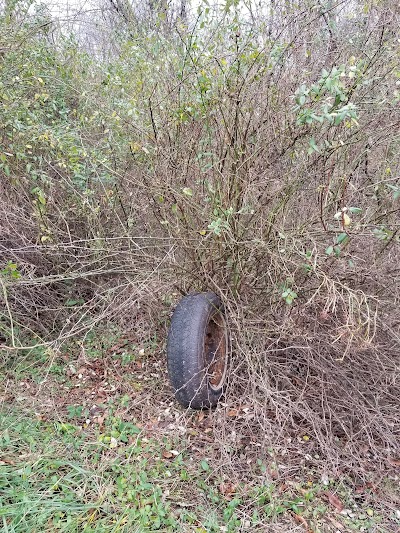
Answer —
118 460
251 153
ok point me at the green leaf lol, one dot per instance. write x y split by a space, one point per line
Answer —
318 118
42 199
339 118
329 250
216 226
355 210
383 234
396 191
72 303
341 238
187 191
289 296
204 465
313 146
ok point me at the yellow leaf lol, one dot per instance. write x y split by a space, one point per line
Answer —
346 219
135 147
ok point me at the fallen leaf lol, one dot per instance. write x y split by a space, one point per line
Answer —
301 520
283 488
337 524
362 488
5 461
334 501
233 412
162 424
167 454
99 420
273 473
228 489
118 348
200 416
394 462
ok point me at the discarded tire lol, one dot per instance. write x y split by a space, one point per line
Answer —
198 350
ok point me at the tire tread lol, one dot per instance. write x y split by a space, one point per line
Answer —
185 350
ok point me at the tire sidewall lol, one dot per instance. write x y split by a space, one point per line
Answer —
196 392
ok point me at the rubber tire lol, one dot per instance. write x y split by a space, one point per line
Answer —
185 351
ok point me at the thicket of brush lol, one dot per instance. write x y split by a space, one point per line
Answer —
255 154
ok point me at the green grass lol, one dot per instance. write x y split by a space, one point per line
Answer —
59 477
56 476
68 476
60 472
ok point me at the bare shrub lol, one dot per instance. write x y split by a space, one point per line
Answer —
254 156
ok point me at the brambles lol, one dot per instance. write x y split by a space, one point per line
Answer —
250 153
